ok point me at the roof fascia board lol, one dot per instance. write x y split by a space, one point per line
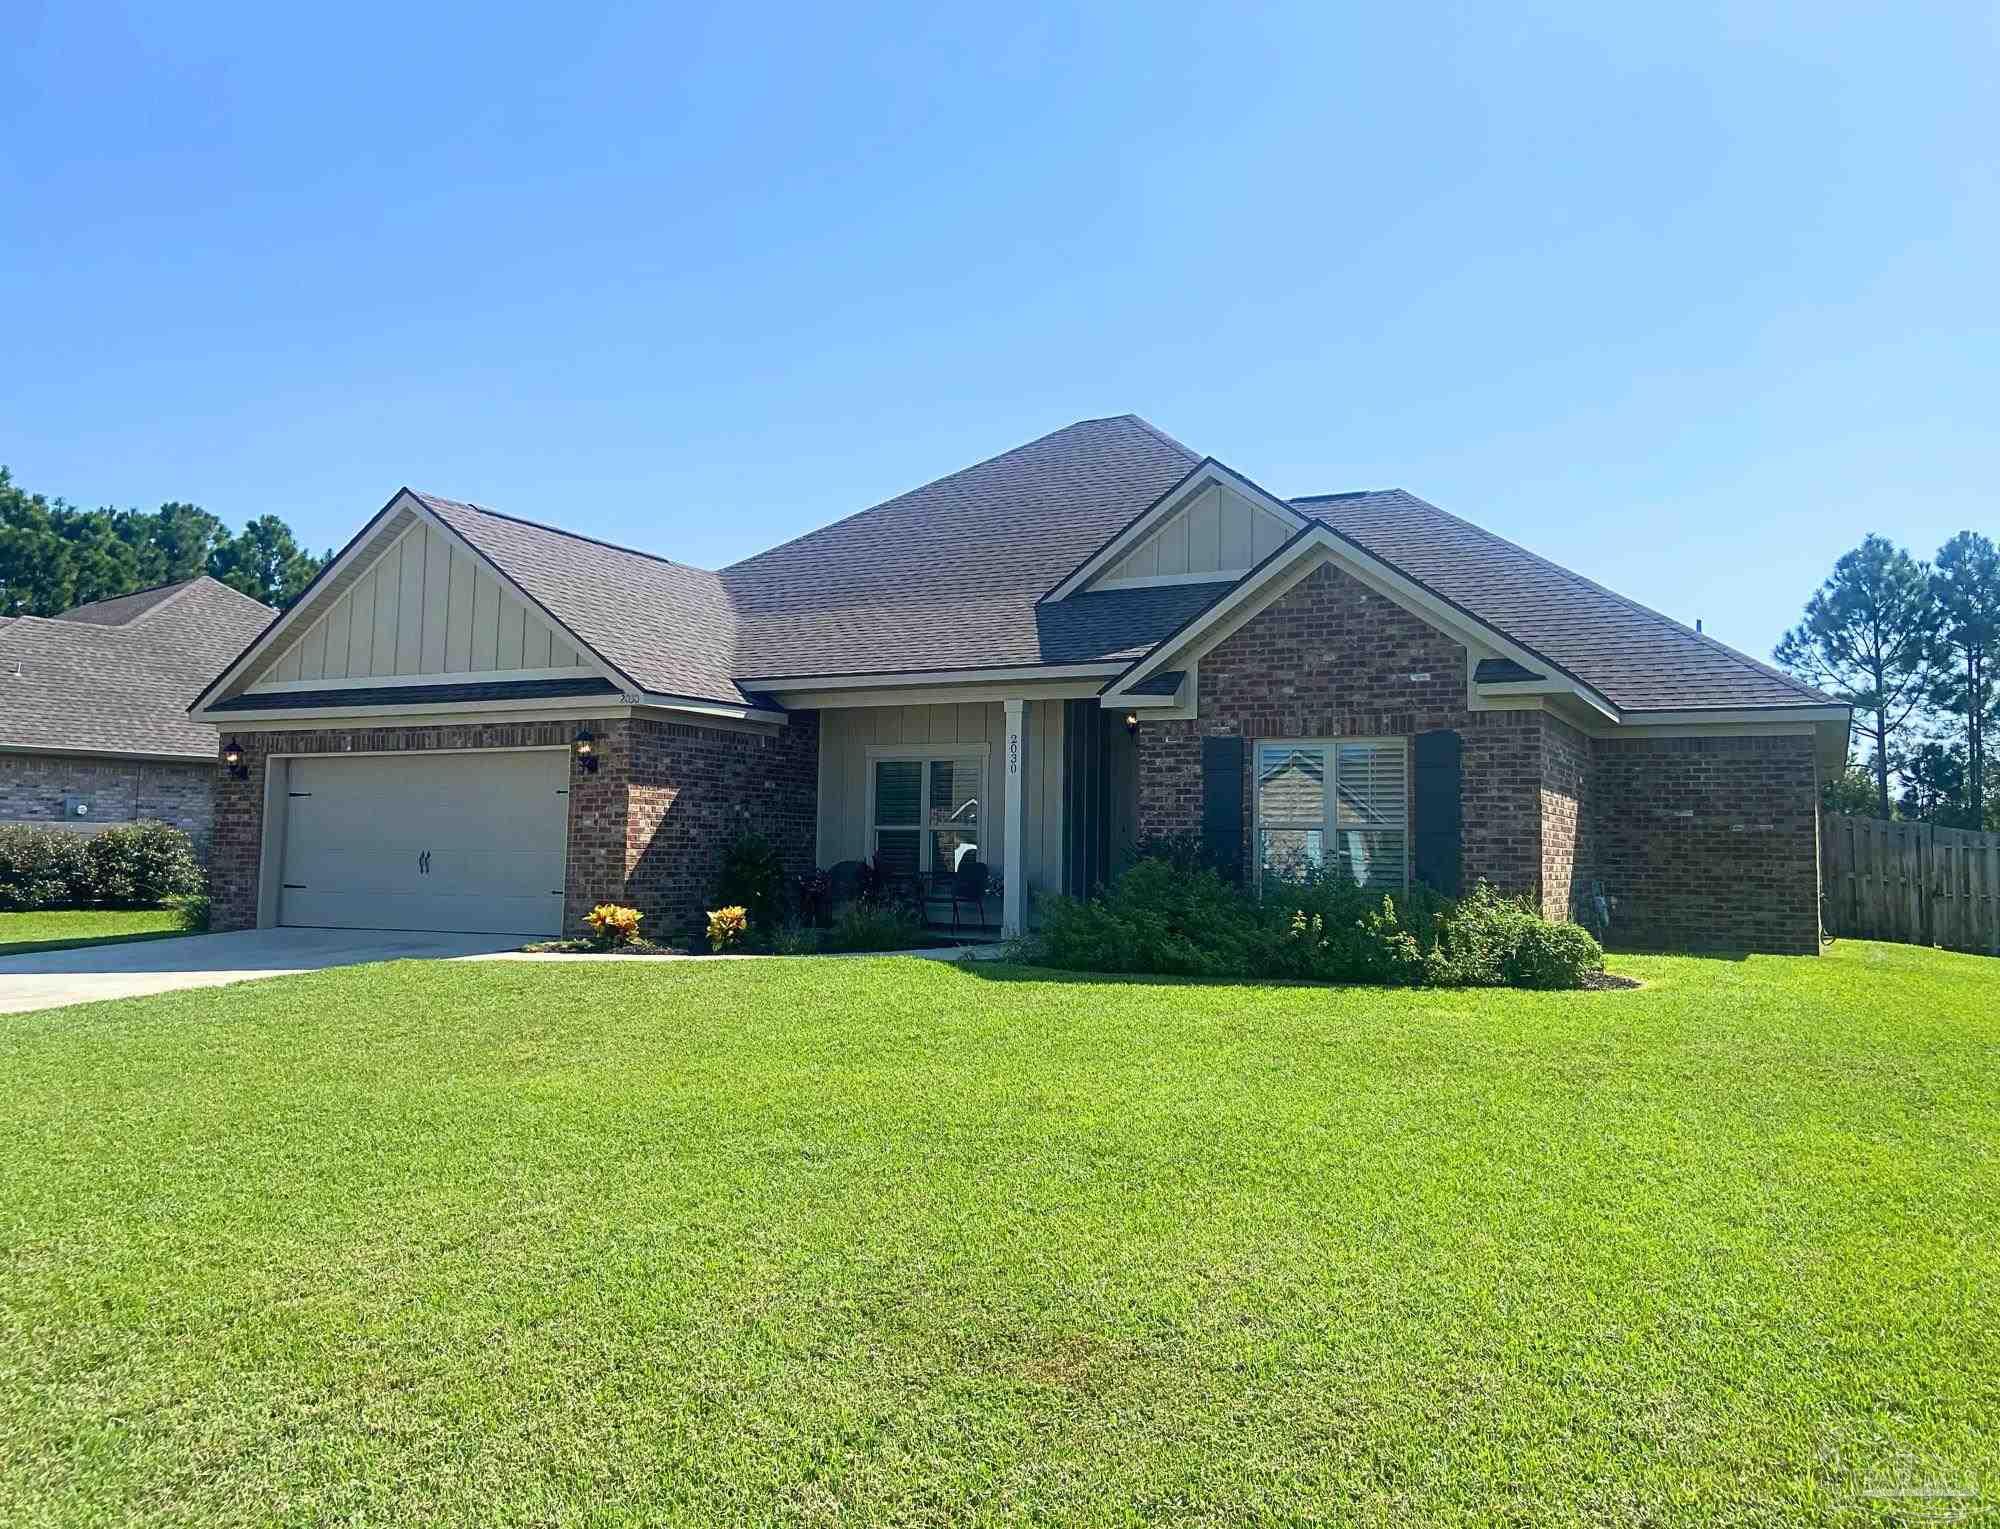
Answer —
292 616
1197 477
76 752
403 499
937 695
889 678
392 681
437 712
1302 555
1726 716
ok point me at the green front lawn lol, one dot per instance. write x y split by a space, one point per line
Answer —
62 928
893 1242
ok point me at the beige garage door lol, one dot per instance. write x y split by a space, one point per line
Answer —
471 842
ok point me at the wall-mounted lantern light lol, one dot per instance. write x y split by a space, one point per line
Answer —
1132 723
586 750
233 761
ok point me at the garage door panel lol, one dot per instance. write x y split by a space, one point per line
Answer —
486 914
468 841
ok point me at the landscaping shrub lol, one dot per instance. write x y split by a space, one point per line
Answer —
42 867
1158 917
142 865
192 911
726 928
795 938
613 925
133 865
1173 917
1554 956
753 878
871 926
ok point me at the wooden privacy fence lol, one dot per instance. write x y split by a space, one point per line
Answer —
1910 882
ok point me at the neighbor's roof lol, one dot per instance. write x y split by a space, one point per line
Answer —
116 676
950 576
1636 658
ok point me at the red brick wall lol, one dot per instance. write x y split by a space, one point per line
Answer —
694 789
647 828
1547 811
1568 843
1709 843
1332 658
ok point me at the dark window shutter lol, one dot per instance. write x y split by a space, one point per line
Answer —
1436 808
1222 805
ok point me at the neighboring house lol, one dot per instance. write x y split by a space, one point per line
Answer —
1091 640
94 727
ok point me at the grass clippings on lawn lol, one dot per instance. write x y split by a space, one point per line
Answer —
911 1242
66 928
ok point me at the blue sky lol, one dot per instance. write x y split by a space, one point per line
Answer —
1687 300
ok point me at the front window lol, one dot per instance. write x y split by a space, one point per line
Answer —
1333 805
925 813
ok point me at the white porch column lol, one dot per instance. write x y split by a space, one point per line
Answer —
1014 898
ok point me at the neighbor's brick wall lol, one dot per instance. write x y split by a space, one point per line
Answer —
646 829
32 787
1332 658
696 788
1709 843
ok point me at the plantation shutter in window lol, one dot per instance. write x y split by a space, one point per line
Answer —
898 816
1291 808
1372 812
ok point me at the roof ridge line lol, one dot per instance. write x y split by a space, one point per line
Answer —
575 536
1151 429
959 472
145 589
1625 600
187 584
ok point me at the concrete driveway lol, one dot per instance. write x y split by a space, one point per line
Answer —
49 978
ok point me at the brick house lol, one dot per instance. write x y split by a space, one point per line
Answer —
476 722
94 727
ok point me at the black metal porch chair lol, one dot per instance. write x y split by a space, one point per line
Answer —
968 885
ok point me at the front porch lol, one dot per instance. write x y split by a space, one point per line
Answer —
1041 792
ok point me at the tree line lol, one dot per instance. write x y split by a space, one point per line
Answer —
54 555
1912 646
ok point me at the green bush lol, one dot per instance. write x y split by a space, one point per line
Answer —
192 911
42 867
1554 956
871 926
1168 916
1160 916
753 878
795 938
142 865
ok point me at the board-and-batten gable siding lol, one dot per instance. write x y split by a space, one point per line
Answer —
848 733
424 606
1219 531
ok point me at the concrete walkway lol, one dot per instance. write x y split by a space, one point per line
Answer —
47 979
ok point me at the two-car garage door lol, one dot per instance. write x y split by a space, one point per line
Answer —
472 842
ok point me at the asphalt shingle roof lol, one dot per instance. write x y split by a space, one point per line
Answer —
666 625
1636 658
117 676
948 576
